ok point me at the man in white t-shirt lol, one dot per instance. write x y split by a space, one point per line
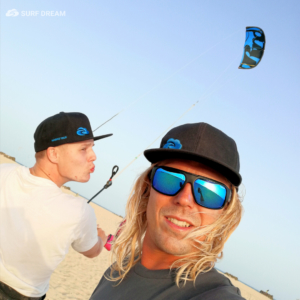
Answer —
38 222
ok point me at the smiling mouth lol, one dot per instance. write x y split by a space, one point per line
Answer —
179 223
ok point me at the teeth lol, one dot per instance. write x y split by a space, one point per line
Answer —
179 223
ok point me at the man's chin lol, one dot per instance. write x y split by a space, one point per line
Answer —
175 247
83 180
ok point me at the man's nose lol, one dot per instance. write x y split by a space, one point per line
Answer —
93 156
185 196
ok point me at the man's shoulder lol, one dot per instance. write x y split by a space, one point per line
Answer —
73 198
217 286
8 167
213 276
74 204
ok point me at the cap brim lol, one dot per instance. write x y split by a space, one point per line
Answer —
102 136
156 155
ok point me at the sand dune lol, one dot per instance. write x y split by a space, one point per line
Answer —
77 276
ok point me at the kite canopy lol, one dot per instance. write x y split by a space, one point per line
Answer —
254 48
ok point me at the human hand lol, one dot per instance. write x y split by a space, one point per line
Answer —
102 234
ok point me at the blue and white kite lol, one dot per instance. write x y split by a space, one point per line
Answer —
254 48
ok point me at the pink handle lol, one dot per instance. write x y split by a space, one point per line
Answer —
111 238
109 241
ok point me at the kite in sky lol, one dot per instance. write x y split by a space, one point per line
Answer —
254 48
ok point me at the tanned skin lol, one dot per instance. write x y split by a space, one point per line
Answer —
164 240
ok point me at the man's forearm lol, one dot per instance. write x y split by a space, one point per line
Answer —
95 251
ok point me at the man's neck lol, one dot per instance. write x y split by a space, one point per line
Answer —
154 258
39 170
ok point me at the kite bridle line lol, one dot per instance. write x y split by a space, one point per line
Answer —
205 96
167 78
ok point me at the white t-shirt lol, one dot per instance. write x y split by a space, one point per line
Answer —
38 223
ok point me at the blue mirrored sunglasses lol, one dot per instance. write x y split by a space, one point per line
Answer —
207 192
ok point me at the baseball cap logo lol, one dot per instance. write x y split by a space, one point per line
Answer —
82 131
172 144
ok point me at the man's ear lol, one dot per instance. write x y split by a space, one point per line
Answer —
52 154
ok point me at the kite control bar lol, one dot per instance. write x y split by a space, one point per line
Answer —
115 170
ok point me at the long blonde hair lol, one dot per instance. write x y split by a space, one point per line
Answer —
127 249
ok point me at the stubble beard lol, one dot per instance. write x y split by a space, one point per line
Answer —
168 241
172 245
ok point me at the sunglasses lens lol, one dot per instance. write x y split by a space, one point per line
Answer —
167 182
208 194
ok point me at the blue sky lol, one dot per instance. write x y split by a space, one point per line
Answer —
102 56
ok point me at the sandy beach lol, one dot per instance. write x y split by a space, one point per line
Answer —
77 276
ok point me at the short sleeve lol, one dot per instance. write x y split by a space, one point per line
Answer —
86 235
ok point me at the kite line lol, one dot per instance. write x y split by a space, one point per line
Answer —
205 96
167 78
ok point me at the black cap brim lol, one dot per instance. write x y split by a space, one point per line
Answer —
102 136
156 155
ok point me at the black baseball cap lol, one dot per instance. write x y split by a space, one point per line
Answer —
202 143
64 128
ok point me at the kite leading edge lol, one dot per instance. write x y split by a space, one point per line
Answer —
254 47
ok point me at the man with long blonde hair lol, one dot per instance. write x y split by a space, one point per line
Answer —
180 213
